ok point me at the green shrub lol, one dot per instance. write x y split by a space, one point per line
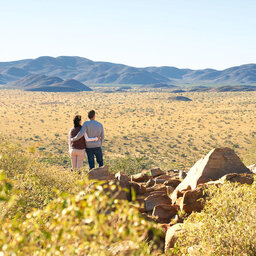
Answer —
128 165
225 227
36 183
89 223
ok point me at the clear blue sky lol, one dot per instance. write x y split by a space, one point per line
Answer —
182 33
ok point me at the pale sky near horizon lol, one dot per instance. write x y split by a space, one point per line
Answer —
181 33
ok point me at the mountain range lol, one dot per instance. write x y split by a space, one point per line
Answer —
45 83
92 72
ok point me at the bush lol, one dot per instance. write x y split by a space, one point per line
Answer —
128 165
89 223
225 227
35 183
42 213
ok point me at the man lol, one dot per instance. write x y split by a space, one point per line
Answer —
93 148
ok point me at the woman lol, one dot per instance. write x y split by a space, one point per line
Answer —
77 148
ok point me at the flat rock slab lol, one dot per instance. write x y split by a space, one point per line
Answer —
139 188
217 163
140 177
164 212
242 178
252 168
154 200
192 201
156 172
171 236
101 173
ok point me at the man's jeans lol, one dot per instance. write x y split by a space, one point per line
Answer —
91 152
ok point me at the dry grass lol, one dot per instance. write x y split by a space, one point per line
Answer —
170 134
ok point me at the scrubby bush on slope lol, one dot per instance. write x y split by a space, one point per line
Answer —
36 184
227 225
38 219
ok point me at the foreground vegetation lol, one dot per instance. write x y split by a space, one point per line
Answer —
225 227
49 211
52 212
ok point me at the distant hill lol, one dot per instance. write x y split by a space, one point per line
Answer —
93 72
48 84
179 98
159 86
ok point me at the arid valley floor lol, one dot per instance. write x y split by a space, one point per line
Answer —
164 132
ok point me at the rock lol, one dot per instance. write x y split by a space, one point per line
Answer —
217 163
101 173
243 178
157 188
156 172
170 189
154 200
162 178
192 201
140 177
122 177
172 182
116 189
172 235
182 175
252 168
123 248
139 189
150 183
164 212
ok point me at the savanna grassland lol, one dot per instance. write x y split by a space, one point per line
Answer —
145 125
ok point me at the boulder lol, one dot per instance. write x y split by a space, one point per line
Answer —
164 177
243 178
116 189
192 201
101 173
123 248
139 188
164 212
172 235
169 189
122 177
140 177
252 168
182 175
157 188
156 172
172 182
154 200
150 183
217 163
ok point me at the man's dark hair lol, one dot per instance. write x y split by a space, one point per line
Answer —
91 114
76 120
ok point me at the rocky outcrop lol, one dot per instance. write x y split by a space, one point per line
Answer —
101 173
172 234
217 163
163 195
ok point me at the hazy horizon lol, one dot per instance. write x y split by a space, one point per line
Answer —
127 64
184 34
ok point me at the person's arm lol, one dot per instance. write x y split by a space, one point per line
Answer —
90 139
69 140
80 134
102 135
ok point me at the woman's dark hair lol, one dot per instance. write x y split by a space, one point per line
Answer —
77 120
91 114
